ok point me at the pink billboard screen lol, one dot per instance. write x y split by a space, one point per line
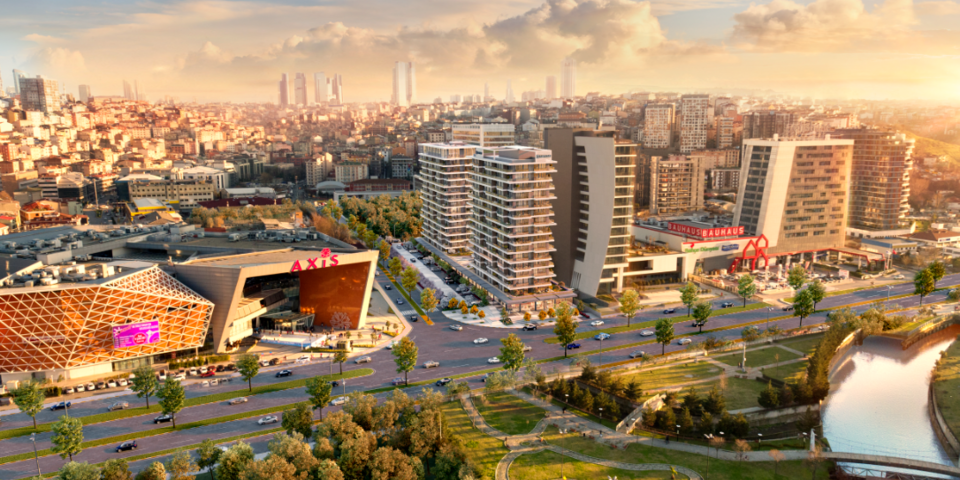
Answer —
136 334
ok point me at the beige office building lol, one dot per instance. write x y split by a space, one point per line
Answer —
485 134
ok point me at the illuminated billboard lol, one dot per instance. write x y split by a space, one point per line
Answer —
136 334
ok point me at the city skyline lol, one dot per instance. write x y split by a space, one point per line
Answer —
827 49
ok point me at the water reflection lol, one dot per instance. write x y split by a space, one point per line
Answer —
878 404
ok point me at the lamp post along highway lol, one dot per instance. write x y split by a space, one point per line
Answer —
33 437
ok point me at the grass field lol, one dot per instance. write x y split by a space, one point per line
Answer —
545 465
787 373
708 467
739 392
485 450
946 387
758 358
508 413
677 374
804 343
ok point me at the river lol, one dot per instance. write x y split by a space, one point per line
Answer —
878 401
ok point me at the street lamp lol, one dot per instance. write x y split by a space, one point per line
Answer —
678 433
769 311
601 413
888 292
601 351
566 401
33 436
759 438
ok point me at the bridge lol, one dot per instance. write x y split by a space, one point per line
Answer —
887 461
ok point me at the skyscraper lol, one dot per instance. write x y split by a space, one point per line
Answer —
39 94
85 93
486 92
444 168
17 76
130 90
300 89
509 97
551 87
320 88
411 84
2 92
335 93
284 87
404 84
568 78
695 117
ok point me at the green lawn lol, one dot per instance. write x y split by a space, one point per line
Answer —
739 392
483 449
708 467
677 374
946 387
787 373
507 413
545 465
758 358
803 343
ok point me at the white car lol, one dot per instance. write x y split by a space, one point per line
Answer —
203 370
338 401
205 383
304 358
193 372
123 382
391 345
684 341
596 323
646 333
112 384
268 419
456 327
493 360
181 377
480 340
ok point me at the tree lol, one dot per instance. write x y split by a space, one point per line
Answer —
339 358
116 469
481 315
295 451
387 463
408 278
234 461
181 465
769 397
452 304
405 356
370 239
144 382
689 295
208 455
384 248
329 470
270 468
319 392
156 471
937 270
746 288
796 277
67 437
664 332
714 403
802 305
172 398
685 421
701 313
298 419
29 398
742 448
395 266
630 304
817 293
814 459
428 300
511 353
78 471
565 328
248 366
777 456
923 284
526 316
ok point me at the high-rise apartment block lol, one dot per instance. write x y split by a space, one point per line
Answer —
509 97
769 123
568 78
695 116
485 134
880 180
445 191
86 93
718 158
512 196
725 131
404 84
551 87
658 125
676 184
39 94
321 89
347 172
594 208
794 192
335 93
319 168
300 89
284 87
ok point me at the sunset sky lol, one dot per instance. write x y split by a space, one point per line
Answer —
215 50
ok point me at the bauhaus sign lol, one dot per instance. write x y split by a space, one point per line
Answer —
326 259
706 232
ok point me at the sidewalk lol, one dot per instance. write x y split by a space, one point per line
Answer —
429 274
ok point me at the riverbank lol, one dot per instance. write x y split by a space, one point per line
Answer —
945 396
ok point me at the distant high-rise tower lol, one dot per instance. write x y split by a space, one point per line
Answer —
486 92
568 78
404 84
335 94
551 87
320 88
284 87
509 98
131 90
39 94
300 89
85 93
2 93
17 76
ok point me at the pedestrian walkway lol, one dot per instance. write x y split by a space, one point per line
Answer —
429 274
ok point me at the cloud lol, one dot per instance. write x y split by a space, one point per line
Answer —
57 62
938 7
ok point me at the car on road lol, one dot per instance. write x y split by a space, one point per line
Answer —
601 336
484 377
527 348
391 345
268 419
388 287
898 277
596 323
646 333
726 304
399 301
684 341
414 318
493 360
480 340
456 328
208 374
585 316
363 359
431 364
337 383
573 346
118 406
338 401
284 373
670 310
529 327
239 400
60 406
304 358
167 417
397 381
128 445
638 354
788 308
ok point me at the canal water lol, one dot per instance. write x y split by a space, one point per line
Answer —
878 402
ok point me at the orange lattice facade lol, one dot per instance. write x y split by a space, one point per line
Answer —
71 325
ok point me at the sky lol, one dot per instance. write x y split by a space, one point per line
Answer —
236 50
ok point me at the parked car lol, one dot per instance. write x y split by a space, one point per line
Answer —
456 327
230 368
684 341
68 391
646 333
304 358
91 387
128 445
268 419
193 372
167 417
123 382
101 385
60 406
493 360
530 327
112 384
726 304
397 381
274 361
480 340
338 401
162 376
219 368
573 346
239 400
80 388
181 377
284 373
601 336
264 363
363 359
431 364
118 406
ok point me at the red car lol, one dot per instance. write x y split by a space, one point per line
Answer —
209 373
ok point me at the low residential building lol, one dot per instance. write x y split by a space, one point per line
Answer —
263 192
937 238
347 172
402 167
183 193
485 134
